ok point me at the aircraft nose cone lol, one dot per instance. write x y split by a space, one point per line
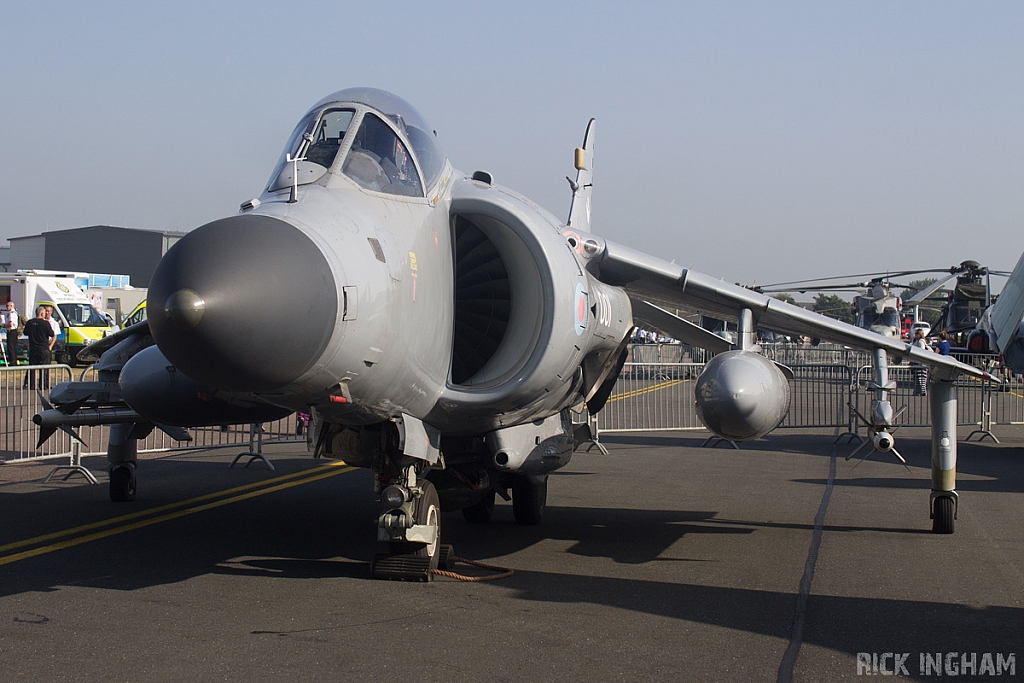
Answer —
247 303
185 308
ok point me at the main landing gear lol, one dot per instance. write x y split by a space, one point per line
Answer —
529 498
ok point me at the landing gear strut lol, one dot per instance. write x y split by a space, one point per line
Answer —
944 501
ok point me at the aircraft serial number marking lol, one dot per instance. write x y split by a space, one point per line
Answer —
284 482
646 390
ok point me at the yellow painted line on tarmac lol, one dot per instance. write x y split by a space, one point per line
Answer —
284 482
646 390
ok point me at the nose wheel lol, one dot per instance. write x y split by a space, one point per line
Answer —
409 537
122 483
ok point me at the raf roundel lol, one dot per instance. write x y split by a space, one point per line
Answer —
581 309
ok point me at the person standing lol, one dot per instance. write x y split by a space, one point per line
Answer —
40 344
55 324
9 324
942 347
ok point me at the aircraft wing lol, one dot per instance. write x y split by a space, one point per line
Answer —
657 281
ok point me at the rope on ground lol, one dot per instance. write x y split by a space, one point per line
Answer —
462 577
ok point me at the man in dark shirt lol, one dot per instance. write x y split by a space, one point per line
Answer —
40 342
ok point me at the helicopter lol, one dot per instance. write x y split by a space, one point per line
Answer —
875 307
965 304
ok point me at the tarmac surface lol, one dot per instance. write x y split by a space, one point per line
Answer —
662 561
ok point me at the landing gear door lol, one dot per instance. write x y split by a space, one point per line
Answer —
418 440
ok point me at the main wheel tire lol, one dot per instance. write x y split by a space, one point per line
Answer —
529 498
942 515
481 511
122 484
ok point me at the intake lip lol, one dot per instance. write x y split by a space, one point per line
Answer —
247 303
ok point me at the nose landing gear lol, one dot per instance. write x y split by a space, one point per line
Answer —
409 530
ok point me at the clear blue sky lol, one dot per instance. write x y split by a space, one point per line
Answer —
757 142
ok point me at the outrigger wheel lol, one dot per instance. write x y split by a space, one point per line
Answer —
413 560
943 514
122 483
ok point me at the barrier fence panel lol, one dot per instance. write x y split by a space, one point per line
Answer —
912 406
18 434
825 353
667 353
1008 401
652 397
19 402
819 396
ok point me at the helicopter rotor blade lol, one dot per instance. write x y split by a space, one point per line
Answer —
929 290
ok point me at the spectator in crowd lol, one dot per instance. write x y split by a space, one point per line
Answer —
55 324
943 346
9 324
40 344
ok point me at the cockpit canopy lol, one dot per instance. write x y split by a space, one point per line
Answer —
385 143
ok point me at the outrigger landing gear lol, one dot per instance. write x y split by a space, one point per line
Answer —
409 530
944 501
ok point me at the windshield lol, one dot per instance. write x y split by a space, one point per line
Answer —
82 315
379 161
316 140
890 318
325 140
136 317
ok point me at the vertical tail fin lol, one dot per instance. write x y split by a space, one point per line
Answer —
1007 311
579 209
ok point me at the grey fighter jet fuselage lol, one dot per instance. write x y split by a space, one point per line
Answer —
438 326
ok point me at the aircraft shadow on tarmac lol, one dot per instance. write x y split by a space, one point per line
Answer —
845 624
319 532
1000 465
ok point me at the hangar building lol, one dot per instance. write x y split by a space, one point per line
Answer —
96 249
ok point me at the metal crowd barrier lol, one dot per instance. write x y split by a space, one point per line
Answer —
654 392
668 353
652 397
18 434
19 402
825 353
819 396
830 381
